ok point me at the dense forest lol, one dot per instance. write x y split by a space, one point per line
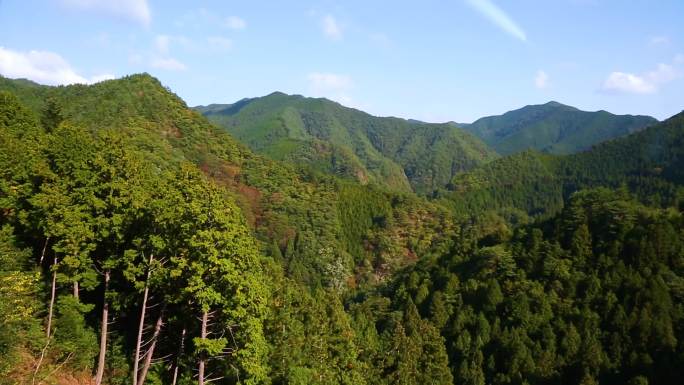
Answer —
553 128
141 243
395 153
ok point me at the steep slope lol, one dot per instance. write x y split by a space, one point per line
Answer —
593 295
554 128
310 221
650 163
390 152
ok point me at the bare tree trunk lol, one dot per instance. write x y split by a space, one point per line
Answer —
150 351
180 352
103 332
76 291
42 255
52 297
136 359
48 332
202 358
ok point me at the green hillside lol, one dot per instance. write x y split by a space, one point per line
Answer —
300 212
139 240
592 296
391 152
553 128
649 163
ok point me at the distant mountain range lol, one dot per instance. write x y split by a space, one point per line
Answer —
554 128
392 152
527 268
649 163
408 154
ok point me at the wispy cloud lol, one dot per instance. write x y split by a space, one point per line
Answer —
220 43
380 39
623 82
162 53
203 17
332 86
329 81
646 83
133 10
659 41
43 67
541 80
497 16
167 64
331 27
234 22
162 43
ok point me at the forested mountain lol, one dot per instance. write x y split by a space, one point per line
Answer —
391 152
594 295
553 128
141 243
317 233
649 163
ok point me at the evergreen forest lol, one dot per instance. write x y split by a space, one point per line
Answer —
289 240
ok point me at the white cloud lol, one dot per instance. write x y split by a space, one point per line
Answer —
133 10
331 28
664 73
659 40
43 67
331 86
541 80
628 83
647 83
497 16
234 22
100 78
679 59
220 43
168 64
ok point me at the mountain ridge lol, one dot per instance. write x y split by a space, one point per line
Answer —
647 162
553 127
389 151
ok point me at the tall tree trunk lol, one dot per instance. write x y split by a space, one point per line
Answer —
178 355
202 358
42 255
136 359
48 332
150 351
76 291
52 297
103 332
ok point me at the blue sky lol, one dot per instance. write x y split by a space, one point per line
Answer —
431 60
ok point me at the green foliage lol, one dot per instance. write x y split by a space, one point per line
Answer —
312 338
553 128
95 198
19 305
590 296
390 152
75 342
648 163
307 278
